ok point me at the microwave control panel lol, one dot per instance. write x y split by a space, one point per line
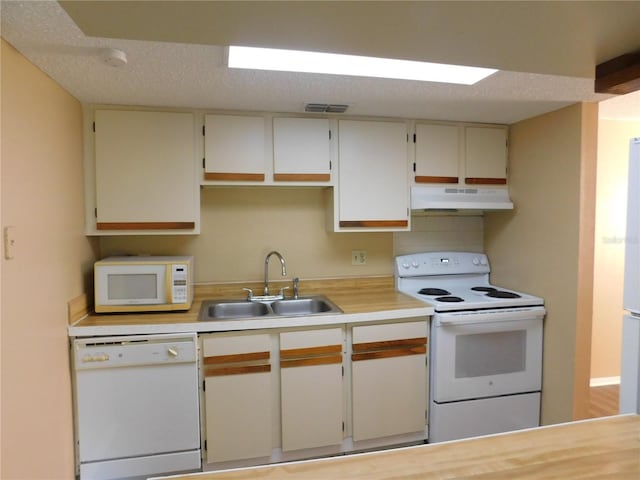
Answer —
179 275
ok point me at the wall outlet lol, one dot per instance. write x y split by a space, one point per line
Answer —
358 257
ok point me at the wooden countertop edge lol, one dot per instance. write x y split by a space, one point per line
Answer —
609 447
357 297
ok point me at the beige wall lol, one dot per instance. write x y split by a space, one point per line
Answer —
239 226
542 246
611 207
42 198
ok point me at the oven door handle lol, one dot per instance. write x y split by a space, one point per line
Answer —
504 315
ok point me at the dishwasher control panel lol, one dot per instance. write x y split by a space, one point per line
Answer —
109 352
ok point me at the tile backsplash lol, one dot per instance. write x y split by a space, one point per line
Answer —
430 233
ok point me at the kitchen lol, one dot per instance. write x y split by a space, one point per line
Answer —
57 268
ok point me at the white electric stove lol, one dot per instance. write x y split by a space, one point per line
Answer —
486 345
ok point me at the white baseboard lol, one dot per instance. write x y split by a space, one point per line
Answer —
602 381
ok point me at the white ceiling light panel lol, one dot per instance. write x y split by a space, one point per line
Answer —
353 65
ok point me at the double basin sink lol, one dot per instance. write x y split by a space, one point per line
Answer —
247 309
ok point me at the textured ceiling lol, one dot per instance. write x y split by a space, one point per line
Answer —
176 56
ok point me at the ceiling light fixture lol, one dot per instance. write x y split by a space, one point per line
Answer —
337 64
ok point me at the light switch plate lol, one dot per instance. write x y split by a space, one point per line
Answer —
9 239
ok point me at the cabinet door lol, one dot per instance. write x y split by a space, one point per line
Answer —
486 155
238 393
301 150
389 379
234 148
437 153
373 180
311 388
145 170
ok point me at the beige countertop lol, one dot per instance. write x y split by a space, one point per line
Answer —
360 299
607 448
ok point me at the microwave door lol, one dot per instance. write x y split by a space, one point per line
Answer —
132 285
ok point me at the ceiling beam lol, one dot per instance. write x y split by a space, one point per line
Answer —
620 75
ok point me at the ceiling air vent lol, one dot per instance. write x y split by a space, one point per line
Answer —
325 108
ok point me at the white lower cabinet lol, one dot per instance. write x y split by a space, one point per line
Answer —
288 394
237 396
389 379
311 386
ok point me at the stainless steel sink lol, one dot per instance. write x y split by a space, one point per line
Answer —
302 306
235 309
238 309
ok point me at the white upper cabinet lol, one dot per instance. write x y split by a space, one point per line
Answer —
234 148
301 150
144 173
485 155
460 154
373 185
437 153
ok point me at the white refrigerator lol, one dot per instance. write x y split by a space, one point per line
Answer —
630 367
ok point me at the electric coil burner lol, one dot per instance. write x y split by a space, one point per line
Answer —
449 299
433 291
486 346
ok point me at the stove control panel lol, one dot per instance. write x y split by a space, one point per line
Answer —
441 263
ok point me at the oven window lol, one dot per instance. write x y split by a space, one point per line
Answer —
130 286
483 354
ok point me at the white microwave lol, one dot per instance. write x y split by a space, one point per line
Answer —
143 284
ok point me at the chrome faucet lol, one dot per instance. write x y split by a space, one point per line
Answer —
266 269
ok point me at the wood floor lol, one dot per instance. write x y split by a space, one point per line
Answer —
603 401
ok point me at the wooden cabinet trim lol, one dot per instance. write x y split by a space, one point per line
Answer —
430 179
311 361
236 177
305 357
238 370
485 181
236 358
301 177
373 223
389 344
145 225
404 352
310 351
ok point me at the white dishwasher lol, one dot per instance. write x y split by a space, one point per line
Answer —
136 406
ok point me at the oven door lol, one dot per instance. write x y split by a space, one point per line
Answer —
479 354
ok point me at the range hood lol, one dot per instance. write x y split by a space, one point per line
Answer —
459 198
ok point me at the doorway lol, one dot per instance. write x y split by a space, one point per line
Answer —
619 120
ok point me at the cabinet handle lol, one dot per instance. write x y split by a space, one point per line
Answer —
309 362
301 177
145 225
373 223
305 357
485 181
429 179
246 177
389 348
404 352
239 370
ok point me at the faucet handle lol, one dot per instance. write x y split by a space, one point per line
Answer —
249 293
282 291
295 287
